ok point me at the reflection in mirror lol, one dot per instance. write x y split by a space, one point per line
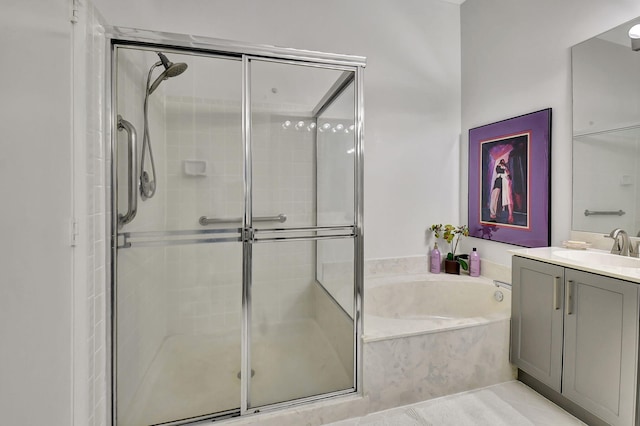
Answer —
606 132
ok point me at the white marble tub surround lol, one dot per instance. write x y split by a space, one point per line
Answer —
409 360
629 271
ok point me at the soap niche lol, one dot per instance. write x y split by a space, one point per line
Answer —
195 167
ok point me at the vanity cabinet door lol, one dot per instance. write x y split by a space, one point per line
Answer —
601 342
536 320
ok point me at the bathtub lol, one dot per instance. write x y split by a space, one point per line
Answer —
436 303
427 336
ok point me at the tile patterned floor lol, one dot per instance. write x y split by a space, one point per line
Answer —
505 404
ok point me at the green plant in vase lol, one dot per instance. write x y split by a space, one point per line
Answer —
452 234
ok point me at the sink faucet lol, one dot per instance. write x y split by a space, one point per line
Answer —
622 245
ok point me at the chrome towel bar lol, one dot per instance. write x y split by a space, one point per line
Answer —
204 221
604 213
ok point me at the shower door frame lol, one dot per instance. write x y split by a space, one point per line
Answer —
149 40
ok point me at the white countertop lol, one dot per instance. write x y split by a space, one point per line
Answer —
629 272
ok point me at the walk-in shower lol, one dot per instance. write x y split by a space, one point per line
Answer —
237 283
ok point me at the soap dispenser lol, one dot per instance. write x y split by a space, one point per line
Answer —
435 260
474 263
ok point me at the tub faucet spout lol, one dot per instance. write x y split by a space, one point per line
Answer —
502 284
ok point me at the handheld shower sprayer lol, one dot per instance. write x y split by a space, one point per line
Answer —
170 70
148 183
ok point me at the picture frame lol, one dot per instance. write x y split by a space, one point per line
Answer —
510 180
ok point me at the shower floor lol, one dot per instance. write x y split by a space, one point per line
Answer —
198 375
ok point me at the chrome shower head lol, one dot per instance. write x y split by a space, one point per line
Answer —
170 70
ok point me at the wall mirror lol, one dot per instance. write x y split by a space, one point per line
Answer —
606 132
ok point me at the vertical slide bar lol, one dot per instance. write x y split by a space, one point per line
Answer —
359 239
245 379
112 82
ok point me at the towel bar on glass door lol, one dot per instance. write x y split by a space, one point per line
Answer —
204 221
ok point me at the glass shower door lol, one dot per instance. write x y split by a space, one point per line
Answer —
236 245
301 342
178 280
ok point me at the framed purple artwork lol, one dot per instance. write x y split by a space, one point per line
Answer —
510 180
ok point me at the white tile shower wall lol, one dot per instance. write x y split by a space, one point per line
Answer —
282 282
205 287
284 182
283 170
141 298
208 131
206 281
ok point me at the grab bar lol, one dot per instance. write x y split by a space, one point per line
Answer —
604 213
132 208
204 221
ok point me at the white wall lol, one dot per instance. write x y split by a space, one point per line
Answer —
35 192
516 59
412 91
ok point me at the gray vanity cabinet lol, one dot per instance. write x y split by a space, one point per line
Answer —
536 320
577 333
600 345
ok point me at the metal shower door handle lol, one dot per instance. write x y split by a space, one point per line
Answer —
132 208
